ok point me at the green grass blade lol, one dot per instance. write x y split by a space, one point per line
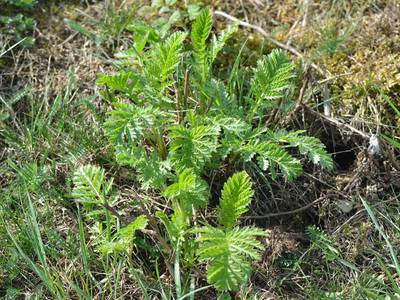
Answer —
379 228
191 293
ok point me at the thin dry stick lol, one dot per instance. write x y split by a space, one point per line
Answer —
290 212
299 99
269 38
12 47
337 123
334 77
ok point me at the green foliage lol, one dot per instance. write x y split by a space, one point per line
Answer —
271 78
215 129
39 266
219 42
229 253
123 239
389 138
90 186
98 39
123 82
203 53
22 3
324 243
172 122
91 189
193 147
230 248
188 194
152 171
164 59
143 34
175 125
190 191
201 30
332 41
128 123
14 20
310 146
235 198
313 148
271 155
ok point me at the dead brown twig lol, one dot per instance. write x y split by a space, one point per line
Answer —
290 212
299 99
337 123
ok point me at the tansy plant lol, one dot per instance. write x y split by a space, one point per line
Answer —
172 121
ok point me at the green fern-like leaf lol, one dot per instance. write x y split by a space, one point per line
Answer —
143 34
271 78
124 81
314 149
201 30
229 253
310 146
270 155
216 90
152 171
90 186
164 59
172 227
31 176
129 156
124 238
235 198
219 42
188 193
192 147
234 131
127 122
232 125
189 190
324 243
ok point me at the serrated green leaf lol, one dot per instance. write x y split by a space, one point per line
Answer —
235 198
201 30
219 42
271 78
229 253
164 59
124 81
275 155
193 147
190 190
127 123
152 171
310 146
124 238
90 186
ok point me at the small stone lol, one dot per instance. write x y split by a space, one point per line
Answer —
345 206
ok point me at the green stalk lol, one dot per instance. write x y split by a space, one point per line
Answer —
379 228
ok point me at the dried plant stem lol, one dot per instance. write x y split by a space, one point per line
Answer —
290 212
